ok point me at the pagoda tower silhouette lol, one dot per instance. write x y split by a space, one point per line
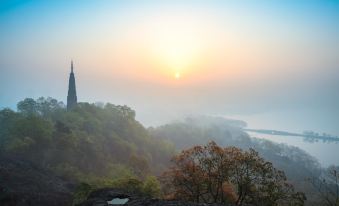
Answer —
72 94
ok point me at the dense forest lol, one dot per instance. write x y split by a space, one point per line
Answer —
103 145
87 143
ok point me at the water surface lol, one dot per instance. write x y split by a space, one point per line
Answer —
327 153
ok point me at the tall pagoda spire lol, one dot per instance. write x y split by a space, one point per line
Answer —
72 94
71 66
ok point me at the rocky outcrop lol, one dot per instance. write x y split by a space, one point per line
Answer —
102 196
22 183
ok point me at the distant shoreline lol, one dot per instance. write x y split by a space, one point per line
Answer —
284 133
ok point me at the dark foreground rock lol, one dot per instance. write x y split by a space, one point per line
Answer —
102 196
24 184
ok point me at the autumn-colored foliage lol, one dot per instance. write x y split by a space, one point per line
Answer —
212 174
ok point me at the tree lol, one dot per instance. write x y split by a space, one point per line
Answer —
212 174
139 164
28 107
187 176
7 120
151 187
46 106
258 182
328 186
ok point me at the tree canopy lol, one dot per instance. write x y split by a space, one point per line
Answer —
212 174
90 143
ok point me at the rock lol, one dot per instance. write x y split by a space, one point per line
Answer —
101 196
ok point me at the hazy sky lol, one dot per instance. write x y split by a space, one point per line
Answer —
274 64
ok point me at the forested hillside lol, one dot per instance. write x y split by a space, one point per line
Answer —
199 130
91 143
48 152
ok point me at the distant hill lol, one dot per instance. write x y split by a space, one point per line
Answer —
296 163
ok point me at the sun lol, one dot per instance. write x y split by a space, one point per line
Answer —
177 75
176 54
176 46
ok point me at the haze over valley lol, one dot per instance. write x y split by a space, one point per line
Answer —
224 103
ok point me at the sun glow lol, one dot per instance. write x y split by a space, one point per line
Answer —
177 75
175 51
169 47
176 44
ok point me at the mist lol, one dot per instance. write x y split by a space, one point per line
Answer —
236 68
169 102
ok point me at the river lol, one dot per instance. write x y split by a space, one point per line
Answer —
327 153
